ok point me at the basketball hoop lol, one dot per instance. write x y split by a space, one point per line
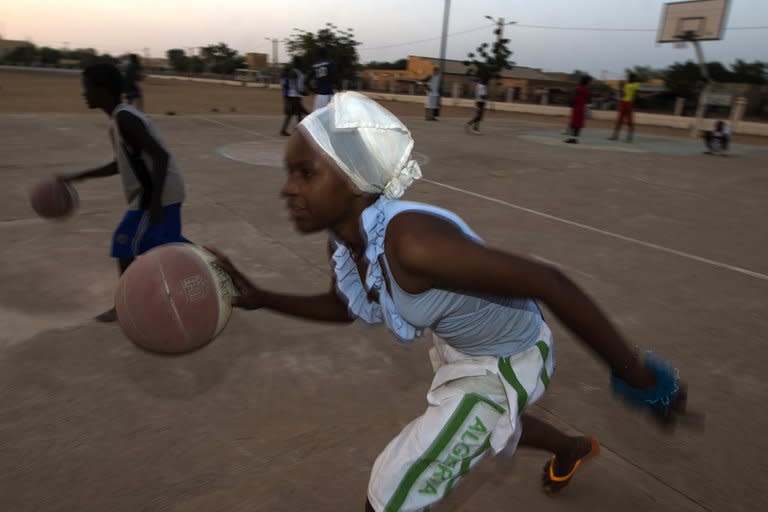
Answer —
702 20
694 21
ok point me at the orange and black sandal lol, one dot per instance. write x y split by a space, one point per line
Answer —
552 483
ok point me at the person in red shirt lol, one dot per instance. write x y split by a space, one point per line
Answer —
581 96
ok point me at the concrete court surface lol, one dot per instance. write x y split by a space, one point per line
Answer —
283 415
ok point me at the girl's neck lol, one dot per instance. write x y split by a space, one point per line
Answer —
110 108
350 231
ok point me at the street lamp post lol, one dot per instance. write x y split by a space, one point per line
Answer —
500 23
500 27
274 50
443 42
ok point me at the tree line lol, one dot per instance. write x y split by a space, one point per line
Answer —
215 58
685 79
682 79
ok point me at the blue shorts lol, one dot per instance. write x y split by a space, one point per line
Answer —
133 94
135 235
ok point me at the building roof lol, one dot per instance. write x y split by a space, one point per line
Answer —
10 43
457 67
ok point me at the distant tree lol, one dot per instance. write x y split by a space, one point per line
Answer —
719 73
25 54
754 73
49 56
196 64
601 89
489 60
398 64
177 59
645 73
683 79
88 56
221 59
576 74
340 44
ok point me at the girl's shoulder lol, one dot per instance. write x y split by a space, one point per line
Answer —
401 217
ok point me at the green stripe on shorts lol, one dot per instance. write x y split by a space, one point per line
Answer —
544 349
509 374
442 440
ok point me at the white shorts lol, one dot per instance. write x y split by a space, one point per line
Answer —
322 100
475 405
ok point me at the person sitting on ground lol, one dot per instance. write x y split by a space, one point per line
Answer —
718 139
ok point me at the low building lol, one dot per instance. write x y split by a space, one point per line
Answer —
256 61
8 45
519 83
155 63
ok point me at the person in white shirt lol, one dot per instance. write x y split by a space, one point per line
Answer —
481 96
432 85
293 90
718 139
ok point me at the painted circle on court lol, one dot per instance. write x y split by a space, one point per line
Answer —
269 153
265 153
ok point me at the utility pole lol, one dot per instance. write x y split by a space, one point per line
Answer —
443 43
701 108
190 62
500 27
499 36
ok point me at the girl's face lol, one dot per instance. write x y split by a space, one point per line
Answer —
316 194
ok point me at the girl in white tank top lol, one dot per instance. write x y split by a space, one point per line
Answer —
413 267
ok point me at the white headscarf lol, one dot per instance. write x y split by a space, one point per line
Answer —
368 143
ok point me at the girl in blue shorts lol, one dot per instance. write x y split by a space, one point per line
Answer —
152 183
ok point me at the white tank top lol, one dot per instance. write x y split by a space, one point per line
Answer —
136 170
474 324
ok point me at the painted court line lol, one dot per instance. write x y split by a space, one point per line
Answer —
229 125
682 254
650 245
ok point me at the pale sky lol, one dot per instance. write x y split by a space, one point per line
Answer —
384 27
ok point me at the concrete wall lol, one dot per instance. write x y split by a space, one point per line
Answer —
641 119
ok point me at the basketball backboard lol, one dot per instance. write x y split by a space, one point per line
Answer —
703 20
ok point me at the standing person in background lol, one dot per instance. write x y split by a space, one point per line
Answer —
581 96
481 96
625 108
432 84
293 88
133 75
322 78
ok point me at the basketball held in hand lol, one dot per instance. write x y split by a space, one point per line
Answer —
173 299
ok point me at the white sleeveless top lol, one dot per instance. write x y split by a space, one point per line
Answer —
136 170
474 324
